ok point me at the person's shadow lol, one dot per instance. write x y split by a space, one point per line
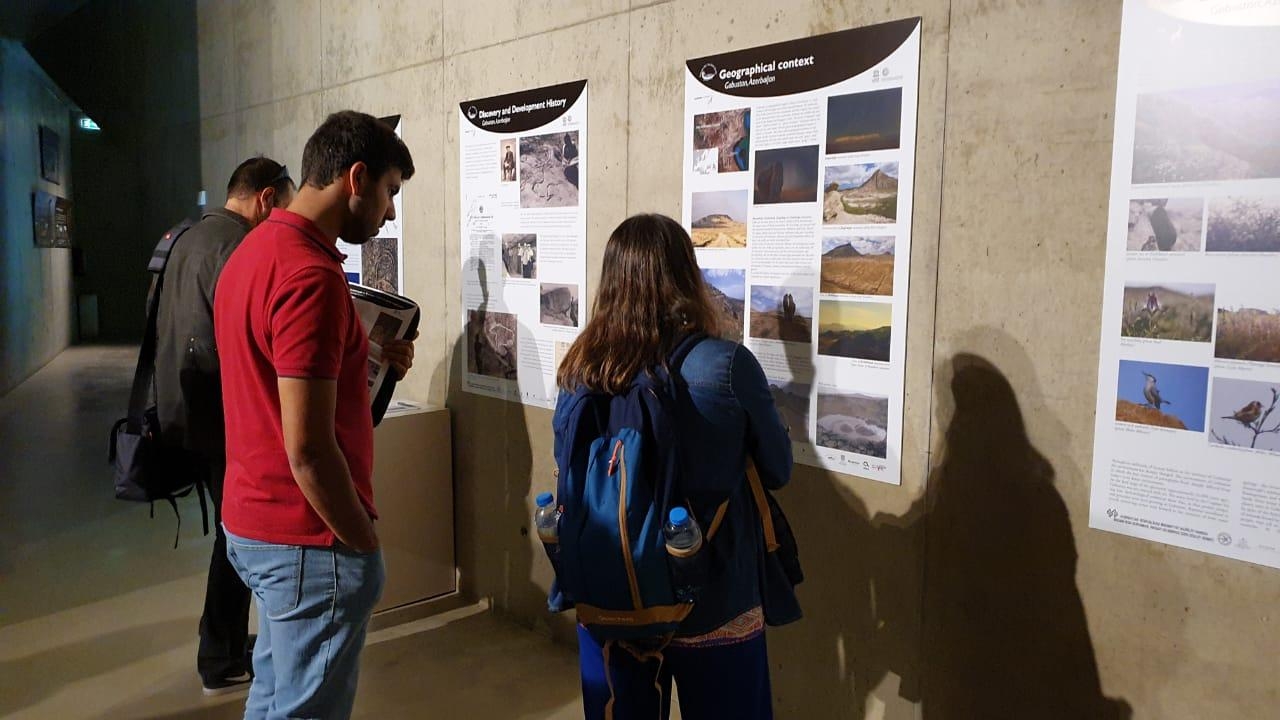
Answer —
969 599
1004 628
494 513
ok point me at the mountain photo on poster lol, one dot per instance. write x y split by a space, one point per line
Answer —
724 136
1225 132
782 313
787 175
1162 395
864 121
1165 225
719 219
379 265
858 330
558 304
491 344
1249 332
1245 413
858 265
853 422
728 290
1168 311
1243 224
863 194
792 401
549 170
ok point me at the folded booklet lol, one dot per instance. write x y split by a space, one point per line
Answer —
386 316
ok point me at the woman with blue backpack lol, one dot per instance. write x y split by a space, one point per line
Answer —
662 427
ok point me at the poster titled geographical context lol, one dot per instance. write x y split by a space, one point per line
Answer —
1187 443
798 170
379 263
524 238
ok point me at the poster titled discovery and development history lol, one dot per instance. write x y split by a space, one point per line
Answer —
1187 443
798 169
524 225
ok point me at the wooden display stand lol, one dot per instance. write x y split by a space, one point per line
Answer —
413 490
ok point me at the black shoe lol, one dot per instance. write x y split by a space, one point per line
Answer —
227 685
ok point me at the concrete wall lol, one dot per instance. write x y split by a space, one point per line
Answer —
37 309
975 590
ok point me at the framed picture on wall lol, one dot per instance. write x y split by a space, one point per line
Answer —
42 212
50 155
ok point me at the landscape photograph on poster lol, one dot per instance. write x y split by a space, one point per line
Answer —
782 313
718 219
520 255
787 175
858 330
1243 224
1245 413
858 265
507 160
1165 225
853 422
558 304
1168 311
1248 332
549 170
865 121
1162 395
722 141
792 400
1224 132
379 264
860 194
491 344
728 290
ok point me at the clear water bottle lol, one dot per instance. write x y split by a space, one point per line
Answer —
684 537
547 519
688 565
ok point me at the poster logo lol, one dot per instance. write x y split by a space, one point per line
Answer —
1224 538
708 72
1113 513
472 112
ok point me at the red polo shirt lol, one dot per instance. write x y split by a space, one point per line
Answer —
282 309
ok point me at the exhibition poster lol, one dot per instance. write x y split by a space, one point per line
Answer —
1187 437
798 168
379 262
524 238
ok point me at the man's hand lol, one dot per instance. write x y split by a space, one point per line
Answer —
399 354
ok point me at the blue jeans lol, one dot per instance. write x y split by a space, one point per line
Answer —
314 605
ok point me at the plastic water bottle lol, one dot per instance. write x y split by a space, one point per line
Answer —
547 519
684 540
684 537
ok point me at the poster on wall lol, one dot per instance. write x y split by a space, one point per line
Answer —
379 262
524 238
798 167
1187 436
50 220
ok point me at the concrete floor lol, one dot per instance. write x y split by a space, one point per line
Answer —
98 612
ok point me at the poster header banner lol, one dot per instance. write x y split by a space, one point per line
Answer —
522 111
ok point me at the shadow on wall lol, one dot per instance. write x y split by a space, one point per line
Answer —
984 620
495 553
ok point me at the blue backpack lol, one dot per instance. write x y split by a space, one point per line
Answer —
618 464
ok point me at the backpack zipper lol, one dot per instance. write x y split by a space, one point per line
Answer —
622 524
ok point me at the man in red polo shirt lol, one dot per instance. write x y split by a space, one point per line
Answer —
298 501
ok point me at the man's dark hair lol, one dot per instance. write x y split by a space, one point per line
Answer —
257 174
348 137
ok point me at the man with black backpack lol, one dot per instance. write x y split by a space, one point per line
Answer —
189 394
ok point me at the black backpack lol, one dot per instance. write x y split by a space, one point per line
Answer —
145 469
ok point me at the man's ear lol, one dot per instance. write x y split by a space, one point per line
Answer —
357 176
267 199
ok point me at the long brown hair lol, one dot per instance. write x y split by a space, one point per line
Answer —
651 294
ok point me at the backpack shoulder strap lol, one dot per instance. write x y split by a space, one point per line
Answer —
145 370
